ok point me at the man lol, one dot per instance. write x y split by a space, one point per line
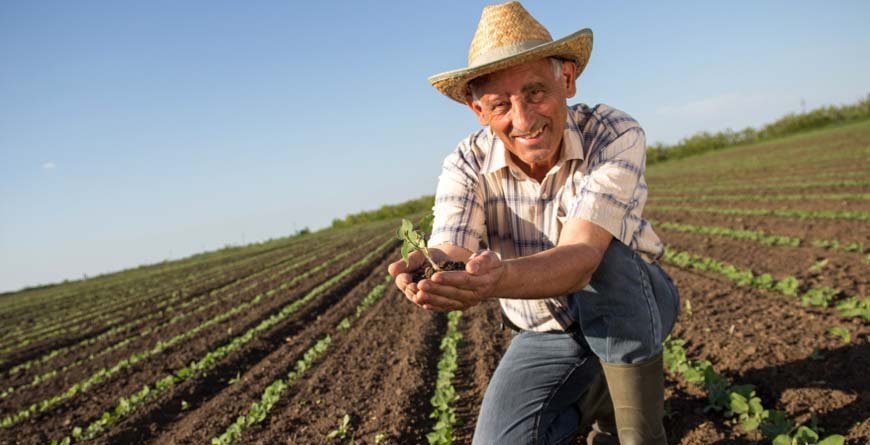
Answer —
557 193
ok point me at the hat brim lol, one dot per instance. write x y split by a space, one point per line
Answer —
576 47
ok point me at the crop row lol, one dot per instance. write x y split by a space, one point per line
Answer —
127 405
789 285
445 393
108 313
129 284
158 348
672 190
763 198
166 308
759 236
729 179
259 410
739 403
213 300
801 214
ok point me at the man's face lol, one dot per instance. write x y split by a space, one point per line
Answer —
526 107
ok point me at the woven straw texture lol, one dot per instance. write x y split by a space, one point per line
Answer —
507 35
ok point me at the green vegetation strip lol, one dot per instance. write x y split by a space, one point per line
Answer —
213 300
108 313
445 393
762 198
137 357
127 405
789 285
739 403
782 186
801 214
260 409
167 285
759 236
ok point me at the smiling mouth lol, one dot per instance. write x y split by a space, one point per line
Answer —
532 137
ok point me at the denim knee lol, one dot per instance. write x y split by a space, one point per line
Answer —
628 308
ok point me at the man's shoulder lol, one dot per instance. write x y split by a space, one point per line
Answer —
602 121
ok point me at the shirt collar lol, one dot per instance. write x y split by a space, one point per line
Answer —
572 147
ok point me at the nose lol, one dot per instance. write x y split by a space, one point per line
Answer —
522 117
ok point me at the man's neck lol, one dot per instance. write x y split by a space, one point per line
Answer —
538 171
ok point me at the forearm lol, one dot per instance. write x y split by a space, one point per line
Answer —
551 273
455 253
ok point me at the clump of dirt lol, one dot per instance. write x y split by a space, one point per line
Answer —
427 271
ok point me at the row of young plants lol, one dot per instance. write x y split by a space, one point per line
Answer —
55 315
130 281
161 345
729 179
166 308
672 190
760 236
160 279
127 405
260 409
213 297
814 296
762 198
800 214
445 394
739 404
116 310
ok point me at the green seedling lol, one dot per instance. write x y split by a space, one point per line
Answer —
842 333
415 240
342 430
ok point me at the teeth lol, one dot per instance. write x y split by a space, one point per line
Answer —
532 136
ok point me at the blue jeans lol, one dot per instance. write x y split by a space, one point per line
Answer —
536 395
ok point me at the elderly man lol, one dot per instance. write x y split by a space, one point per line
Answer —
556 192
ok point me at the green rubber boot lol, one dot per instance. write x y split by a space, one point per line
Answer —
638 394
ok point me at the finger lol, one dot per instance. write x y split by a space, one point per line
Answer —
453 293
403 280
410 291
426 299
396 268
459 279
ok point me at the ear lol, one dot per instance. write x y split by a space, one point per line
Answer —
477 109
569 69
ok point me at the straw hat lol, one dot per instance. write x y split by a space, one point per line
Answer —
508 35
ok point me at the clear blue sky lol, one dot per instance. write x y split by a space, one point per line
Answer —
132 132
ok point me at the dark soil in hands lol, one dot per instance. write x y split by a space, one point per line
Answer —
427 271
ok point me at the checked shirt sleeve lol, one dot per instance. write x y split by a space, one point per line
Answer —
458 210
612 193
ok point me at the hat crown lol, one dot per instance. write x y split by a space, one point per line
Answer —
503 27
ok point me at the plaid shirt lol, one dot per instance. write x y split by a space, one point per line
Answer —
484 198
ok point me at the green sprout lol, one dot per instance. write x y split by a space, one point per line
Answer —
415 240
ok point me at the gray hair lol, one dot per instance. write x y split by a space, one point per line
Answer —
555 63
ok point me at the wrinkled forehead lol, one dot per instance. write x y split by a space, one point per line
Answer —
512 78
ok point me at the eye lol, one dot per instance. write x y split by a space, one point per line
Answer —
537 95
499 106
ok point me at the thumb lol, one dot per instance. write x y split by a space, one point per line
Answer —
481 262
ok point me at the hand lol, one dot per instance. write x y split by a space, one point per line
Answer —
402 272
460 290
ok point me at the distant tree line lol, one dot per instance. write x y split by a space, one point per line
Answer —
788 124
406 208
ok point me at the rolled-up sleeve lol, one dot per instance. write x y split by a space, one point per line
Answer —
608 193
458 209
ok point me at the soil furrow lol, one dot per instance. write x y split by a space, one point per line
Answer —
381 374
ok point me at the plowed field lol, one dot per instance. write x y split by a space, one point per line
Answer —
303 340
